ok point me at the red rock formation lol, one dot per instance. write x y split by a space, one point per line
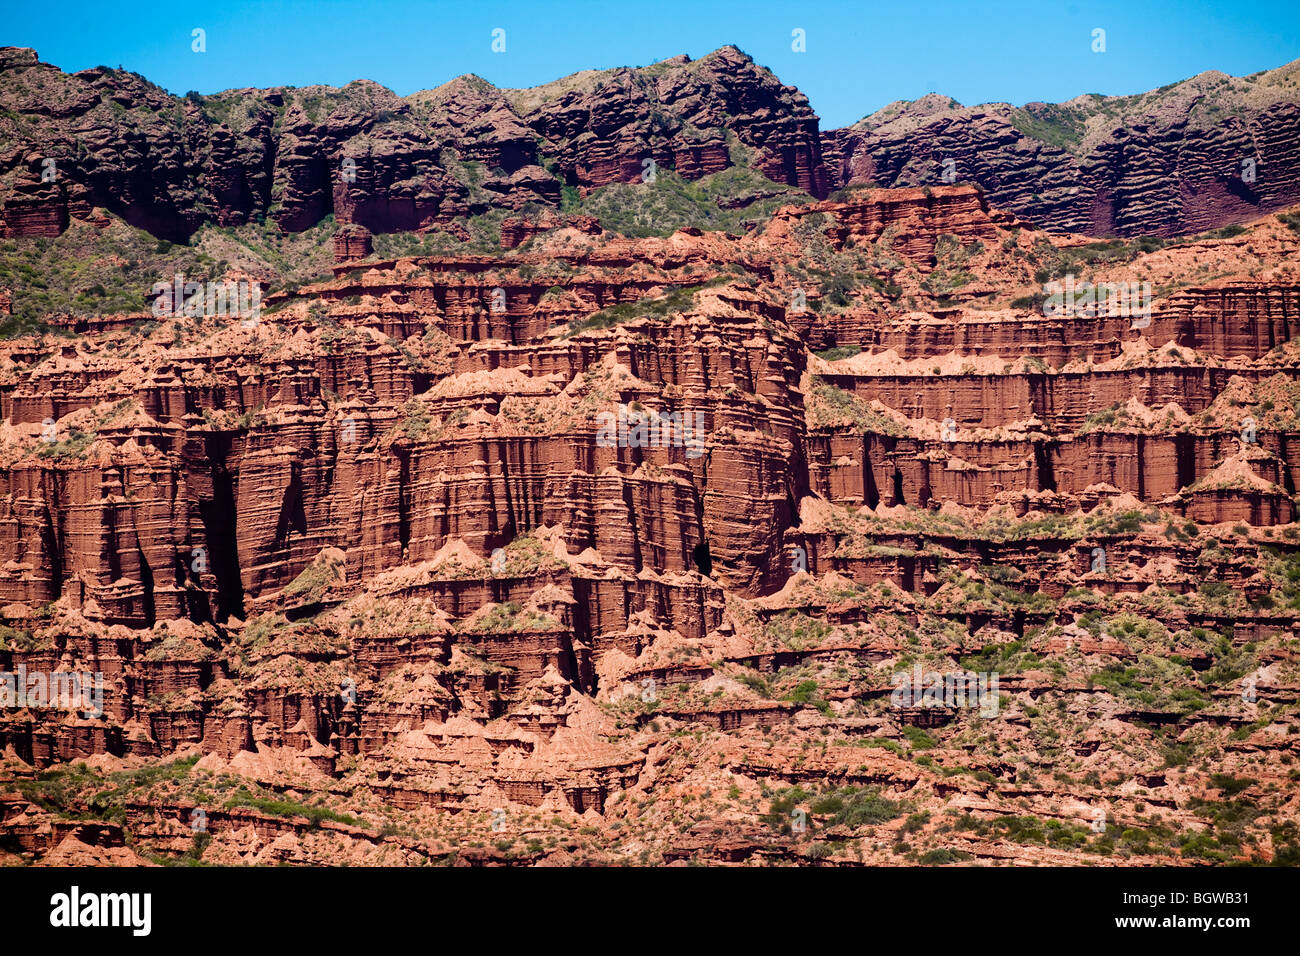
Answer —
351 243
394 164
1037 160
517 230
921 215
384 541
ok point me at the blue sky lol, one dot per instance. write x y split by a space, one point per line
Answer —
860 55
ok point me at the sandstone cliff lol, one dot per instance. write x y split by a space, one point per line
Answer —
1170 162
374 578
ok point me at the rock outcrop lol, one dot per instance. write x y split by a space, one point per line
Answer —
1193 156
597 529
1202 153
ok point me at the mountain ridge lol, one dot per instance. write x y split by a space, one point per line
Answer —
1201 153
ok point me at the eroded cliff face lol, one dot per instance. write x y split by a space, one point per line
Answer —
622 543
1202 153
1210 150
110 139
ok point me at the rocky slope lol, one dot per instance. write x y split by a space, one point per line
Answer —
1165 163
371 579
371 158
1195 155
